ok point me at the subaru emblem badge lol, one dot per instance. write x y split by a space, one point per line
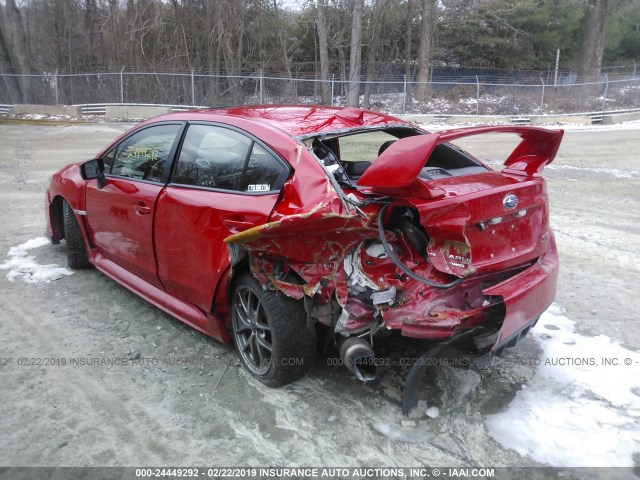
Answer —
510 201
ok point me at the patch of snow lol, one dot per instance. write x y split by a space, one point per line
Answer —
23 266
432 412
610 171
438 127
34 116
577 410
44 116
632 125
391 424
568 127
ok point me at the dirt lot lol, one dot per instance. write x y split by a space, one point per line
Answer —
209 411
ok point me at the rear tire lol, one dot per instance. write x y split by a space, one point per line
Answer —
271 334
76 251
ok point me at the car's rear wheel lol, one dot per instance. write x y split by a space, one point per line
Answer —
271 333
76 251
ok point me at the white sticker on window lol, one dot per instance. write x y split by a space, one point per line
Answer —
260 187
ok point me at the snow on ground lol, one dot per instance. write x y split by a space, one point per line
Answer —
21 265
569 127
632 125
609 171
432 412
42 116
576 411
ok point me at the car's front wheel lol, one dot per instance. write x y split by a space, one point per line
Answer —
271 333
76 251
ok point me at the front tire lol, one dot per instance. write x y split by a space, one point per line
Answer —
271 334
76 251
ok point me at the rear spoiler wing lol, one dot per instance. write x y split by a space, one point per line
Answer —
397 169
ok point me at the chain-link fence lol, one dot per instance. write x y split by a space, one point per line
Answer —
394 95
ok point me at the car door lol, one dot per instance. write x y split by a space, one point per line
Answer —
120 215
224 181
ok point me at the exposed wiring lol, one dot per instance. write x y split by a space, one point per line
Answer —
402 266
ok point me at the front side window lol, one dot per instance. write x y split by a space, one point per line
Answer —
108 160
144 155
221 158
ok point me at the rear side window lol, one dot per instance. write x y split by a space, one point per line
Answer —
263 171
364 146
144 154
221 158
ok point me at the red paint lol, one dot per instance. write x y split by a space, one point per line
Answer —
171 244
410 152
121 224
456 217
526 293
537 149
190 227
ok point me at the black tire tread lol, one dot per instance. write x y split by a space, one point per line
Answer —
291 336
76 251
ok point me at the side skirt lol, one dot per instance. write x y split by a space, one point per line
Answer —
183 311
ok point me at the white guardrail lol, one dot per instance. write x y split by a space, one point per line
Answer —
101 108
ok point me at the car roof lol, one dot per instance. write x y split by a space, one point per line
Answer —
296 120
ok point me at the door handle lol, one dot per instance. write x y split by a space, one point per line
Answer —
141 208
236 224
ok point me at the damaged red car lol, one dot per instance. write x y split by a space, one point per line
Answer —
267 225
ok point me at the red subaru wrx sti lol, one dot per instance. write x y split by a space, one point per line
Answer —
268 224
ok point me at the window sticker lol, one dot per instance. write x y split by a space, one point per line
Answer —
137 152
259 187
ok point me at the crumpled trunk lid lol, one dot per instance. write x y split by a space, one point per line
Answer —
485 222
480 222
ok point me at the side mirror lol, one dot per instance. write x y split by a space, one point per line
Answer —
93 169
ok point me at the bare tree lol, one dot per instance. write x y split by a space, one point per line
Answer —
282 36
355 55
593 42
315 39
323 47
214 46
15 42
113 23
90 17
408 40
9 85
376 27
425 52
232 40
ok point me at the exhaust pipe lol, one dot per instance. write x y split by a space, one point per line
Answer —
357 355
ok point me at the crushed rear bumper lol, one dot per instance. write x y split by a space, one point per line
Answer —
526 296
516 302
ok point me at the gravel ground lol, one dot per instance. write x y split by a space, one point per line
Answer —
157 410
